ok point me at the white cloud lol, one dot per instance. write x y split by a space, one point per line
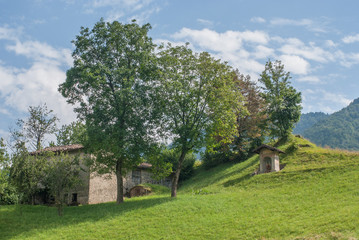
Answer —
240 49
309 24
263 52
347 59
258 20
295 64
222 42
308 79
34 86
324 101
330 43
291 22
9 33
37 84
140 10
295 46
41 52
351 39
4 111
205 22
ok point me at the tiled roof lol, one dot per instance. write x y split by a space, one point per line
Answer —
65 148
145 165
258 149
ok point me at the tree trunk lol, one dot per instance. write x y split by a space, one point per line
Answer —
176 176
119 183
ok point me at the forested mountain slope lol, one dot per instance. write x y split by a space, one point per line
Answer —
307 120
338 130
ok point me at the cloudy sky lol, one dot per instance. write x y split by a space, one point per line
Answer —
318 42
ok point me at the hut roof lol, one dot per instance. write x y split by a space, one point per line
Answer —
258 149
65 148
145 165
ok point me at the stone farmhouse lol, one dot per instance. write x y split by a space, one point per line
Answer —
97 188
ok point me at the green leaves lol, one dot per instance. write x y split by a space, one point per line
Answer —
110 85
282 99
197 96
73 133
33 129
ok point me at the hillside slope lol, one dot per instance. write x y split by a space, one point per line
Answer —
338 130
315 196
307 120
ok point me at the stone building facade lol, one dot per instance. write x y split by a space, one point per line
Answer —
96 188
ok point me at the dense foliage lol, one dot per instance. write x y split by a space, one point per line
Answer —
251 121
338 130
110 83
307 120
283 100
165 161
73 133
8 192
31 132
62 174
197 99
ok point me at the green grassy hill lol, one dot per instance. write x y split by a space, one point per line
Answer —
316 196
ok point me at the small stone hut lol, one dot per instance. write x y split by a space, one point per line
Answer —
268 158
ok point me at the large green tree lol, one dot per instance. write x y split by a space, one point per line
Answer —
27 173
62 175
284 102
110 83
250 121
32 130
198 101
73 133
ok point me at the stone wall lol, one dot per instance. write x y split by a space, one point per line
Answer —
82 191
274 160
103 188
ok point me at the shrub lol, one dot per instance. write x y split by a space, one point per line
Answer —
187 168
9 196
212 159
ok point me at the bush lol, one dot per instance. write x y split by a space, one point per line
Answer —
165 157
187 168
9 196
212 159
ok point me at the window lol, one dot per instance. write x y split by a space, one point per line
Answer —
74 197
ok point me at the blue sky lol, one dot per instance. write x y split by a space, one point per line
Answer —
318 42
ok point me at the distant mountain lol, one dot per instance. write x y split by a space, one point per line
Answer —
338 130
307 120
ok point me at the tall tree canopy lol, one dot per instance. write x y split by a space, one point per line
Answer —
73 133
32 130
111 84
250 123
283 100
197 100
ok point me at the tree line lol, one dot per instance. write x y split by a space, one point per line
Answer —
132 96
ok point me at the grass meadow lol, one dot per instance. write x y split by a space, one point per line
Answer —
315 196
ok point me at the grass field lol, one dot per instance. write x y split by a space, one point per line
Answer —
316 196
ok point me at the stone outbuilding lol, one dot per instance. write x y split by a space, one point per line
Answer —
268 158
96 188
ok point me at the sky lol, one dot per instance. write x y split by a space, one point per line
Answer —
317 41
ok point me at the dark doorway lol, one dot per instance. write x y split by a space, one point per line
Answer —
268 164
